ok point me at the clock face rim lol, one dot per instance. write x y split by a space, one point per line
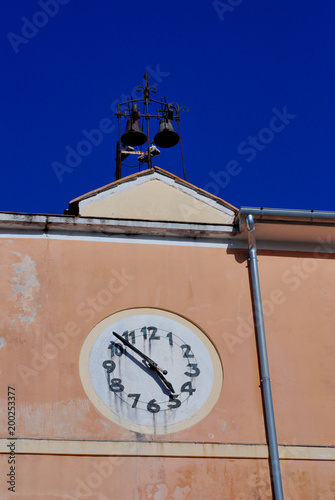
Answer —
101 406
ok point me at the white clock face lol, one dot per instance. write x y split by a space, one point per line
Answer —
159 374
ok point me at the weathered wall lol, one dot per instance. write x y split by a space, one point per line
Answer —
144 478
52 294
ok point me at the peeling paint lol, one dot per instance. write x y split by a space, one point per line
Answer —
2 342
161 491
25 285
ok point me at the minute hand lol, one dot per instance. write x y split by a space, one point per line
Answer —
150 362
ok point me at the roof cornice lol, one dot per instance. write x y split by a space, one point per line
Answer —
66 224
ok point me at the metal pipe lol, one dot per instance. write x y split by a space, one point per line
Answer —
286 215
264 365
148 134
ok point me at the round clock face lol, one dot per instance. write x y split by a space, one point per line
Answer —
150 371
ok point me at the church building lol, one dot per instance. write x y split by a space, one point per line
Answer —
158 343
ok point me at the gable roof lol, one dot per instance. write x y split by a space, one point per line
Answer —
152 195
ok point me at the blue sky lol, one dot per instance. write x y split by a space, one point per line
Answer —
257 77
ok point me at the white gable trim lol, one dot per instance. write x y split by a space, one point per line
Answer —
167 180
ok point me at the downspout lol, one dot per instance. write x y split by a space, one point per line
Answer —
264 365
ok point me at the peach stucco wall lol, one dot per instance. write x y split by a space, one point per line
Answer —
143 478
52 294
300 337
66 299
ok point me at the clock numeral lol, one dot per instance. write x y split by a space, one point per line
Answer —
169 336
187 349
116 349
196 370
127 334
136 398
144 331
187 387
175 403
153 331
153 407
109 365
115 385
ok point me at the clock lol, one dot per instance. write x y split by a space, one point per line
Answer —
150 370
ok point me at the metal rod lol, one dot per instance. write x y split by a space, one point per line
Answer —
172 105
148 131
264 365
118 161
181 149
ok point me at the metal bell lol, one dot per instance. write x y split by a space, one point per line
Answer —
166 137
133 135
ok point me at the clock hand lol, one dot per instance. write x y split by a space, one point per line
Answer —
167 384
150 363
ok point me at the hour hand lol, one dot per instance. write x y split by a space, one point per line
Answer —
167 384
